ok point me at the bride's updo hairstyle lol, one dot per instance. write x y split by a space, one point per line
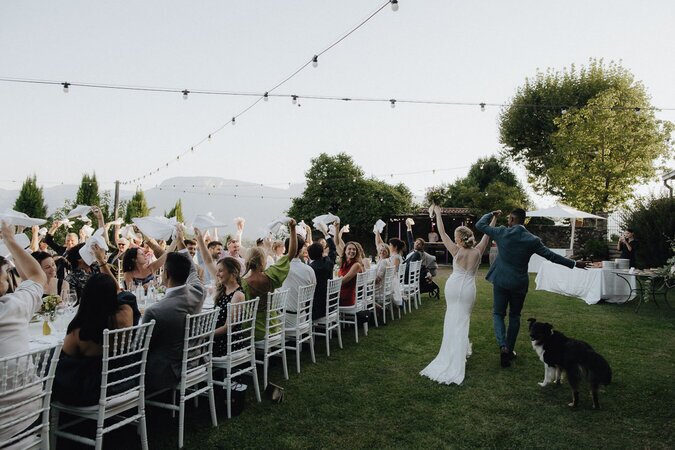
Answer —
466 237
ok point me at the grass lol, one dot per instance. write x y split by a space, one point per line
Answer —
369 395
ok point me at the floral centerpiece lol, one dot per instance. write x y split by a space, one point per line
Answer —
49 304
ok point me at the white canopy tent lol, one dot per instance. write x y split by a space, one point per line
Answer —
566 212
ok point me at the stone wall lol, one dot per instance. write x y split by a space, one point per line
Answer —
559 236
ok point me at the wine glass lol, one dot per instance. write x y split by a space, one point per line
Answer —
71 300
60 319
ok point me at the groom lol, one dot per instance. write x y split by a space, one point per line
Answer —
509 277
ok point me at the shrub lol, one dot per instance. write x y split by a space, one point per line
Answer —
594 249
653 221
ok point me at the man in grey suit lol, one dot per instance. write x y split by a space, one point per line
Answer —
184 295
509 277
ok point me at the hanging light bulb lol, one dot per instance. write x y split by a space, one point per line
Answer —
234 120
637 110
394 5
266 96
563 110
392 102
294 99
482 107
185 94
209 137
65 85
315 61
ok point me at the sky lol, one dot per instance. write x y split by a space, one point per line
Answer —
478 51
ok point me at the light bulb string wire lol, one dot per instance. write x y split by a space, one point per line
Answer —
261 97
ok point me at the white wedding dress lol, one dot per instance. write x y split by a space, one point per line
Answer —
460 296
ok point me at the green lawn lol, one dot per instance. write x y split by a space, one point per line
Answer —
369 395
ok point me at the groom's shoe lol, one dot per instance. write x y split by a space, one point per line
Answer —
505 357
513 355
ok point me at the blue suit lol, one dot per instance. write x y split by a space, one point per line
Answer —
508 274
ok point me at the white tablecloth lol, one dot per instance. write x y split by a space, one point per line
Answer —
590 285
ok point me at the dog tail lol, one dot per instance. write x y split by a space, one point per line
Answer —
598 368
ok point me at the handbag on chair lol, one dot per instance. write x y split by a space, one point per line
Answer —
275 393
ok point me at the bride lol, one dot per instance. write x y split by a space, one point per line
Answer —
460 296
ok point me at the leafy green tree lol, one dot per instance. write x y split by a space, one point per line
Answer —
137 207
87 194
489 185
586 136
31 199
176 211
336 184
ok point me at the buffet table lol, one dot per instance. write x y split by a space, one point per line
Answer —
590 285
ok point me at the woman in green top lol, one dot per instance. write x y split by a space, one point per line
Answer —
259 282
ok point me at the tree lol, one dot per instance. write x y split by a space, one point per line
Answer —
586 136
489 185
31 199
137 207
336 184
176 211
87 194
652 218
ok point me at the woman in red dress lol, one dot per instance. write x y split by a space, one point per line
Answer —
350 265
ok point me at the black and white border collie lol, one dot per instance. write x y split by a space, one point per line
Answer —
575 358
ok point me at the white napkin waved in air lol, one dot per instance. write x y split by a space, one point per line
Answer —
19 219
273 225
87 231
157 227
87 253
325 218
118 221
20 238
128 232
206 221
66 223
409 221
79 210
300 230
431 211
42 232
379 226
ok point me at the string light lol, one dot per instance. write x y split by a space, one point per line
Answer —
185 94
65 85
393 103
315 61
563 110
234 120
294 99
482 107
394 5
266 96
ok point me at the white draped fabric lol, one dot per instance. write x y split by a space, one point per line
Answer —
590 285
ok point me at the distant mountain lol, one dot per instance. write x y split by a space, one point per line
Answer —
226 199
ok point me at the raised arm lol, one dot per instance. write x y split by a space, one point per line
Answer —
206 255
409 234
449 244
101 223
26 265
308 239
292 240
492 231
34 238
485 240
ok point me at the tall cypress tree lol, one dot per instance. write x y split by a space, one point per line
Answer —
87 194
176 211
137 207
31 199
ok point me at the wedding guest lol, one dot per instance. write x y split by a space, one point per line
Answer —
263 244
137 270
16 310
299 274
184 295
628 246
351 264
79 270
277 250
233 250
78 374
380 270
228 289
323 270
260 282
53 286
213 248
191 247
